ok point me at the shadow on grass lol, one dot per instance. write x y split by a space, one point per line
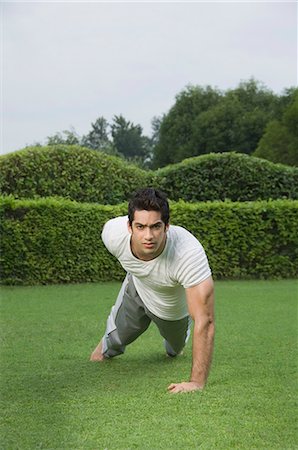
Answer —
61 379
43 399
124 371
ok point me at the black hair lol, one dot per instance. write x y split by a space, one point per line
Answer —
149 199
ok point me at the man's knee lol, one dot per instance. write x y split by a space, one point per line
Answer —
174 348
112 345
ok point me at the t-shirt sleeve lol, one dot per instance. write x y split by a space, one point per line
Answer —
193 266
114 233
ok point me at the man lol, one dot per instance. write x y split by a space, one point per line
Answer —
168 282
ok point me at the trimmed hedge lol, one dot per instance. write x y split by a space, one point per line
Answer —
228 176
87 175
52 241
245 240
71 172
56 241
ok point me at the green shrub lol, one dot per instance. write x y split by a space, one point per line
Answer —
54 241
90 176
232 176
245 240
72 172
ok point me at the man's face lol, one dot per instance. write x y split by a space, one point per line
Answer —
148 234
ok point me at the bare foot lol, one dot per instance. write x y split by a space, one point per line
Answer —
97 355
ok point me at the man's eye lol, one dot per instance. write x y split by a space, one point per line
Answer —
140 227
157 226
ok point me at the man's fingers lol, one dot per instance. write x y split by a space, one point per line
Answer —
174 388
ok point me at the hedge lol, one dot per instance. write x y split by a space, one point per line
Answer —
245 240
57 241
71 172
87 175
232 176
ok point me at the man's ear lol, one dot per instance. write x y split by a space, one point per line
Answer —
129 227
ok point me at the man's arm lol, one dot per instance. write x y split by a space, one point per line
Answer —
200 301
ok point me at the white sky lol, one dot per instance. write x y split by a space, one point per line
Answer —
65 64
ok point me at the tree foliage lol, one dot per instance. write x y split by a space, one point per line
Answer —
205 120
202 120
66 137
121 138
98 137
176 130
155 126
129 141
280 140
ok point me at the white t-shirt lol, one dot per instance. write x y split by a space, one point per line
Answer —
160 282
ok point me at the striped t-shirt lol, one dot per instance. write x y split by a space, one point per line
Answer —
160 282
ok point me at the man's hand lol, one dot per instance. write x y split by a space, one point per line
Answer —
187 386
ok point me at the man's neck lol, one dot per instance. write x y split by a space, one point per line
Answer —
145 257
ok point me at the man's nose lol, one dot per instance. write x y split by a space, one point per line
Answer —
148 233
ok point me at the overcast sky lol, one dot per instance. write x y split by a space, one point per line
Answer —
65 64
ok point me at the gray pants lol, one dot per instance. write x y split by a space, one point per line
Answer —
129 318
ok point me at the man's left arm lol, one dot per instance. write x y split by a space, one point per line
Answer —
200 301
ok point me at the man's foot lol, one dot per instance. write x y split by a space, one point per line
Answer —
97 355
169 351
170 355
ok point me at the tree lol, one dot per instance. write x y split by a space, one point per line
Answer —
67 137
258 107
128 139
284 100
280 140
176 129
205 120
155 125
98 137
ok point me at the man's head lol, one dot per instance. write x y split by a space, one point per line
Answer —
148 222
149 199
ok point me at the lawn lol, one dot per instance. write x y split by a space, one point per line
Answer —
54 398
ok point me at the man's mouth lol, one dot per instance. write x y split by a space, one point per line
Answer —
148 244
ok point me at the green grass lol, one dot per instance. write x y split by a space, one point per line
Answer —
54 398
